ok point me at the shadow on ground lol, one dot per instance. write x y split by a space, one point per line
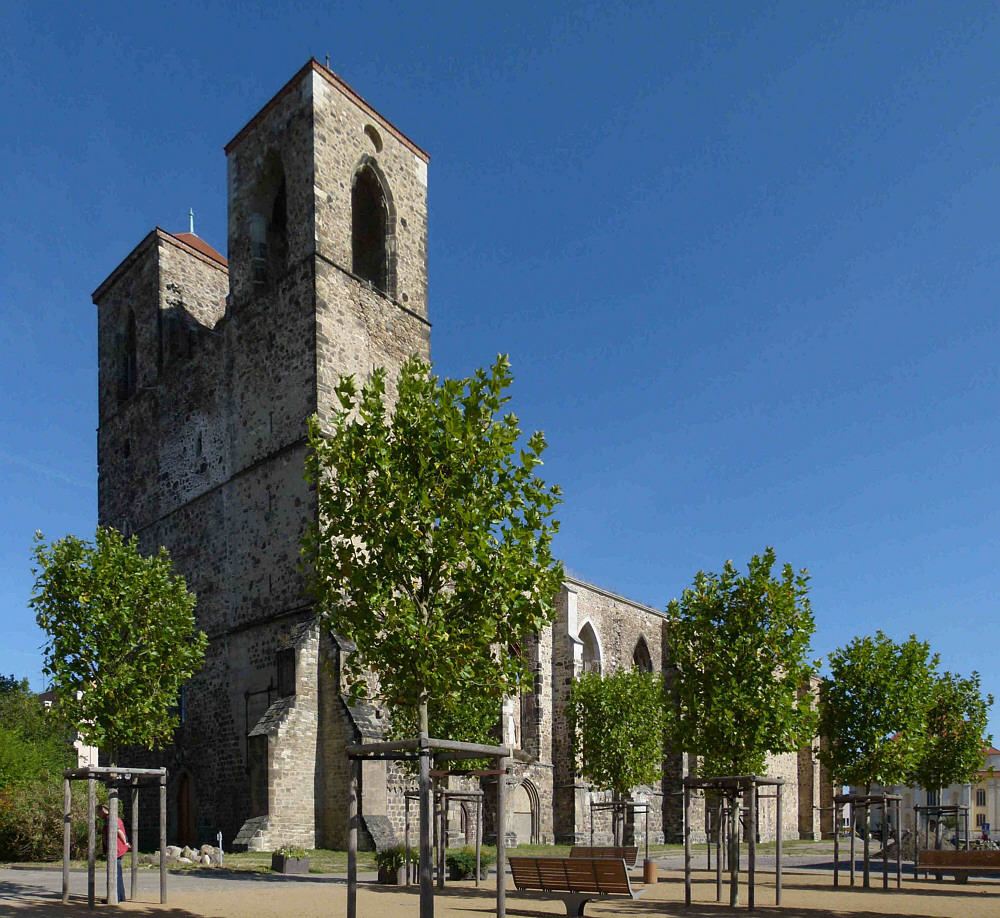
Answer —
26 901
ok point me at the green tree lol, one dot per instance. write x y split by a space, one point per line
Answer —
740 646
956 732
740 690
617 724
121 640
433 548
873 710
34 743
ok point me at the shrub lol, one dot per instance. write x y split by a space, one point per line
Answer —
291 851
31 822
462 863
395 857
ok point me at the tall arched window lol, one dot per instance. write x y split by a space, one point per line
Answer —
129 371
372 228
641 659
269 223
591 650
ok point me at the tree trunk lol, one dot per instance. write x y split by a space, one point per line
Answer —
734 851
426 855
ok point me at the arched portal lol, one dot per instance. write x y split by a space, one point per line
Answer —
524 813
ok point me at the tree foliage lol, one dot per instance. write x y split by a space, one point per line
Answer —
617 724
955 733
121 637
740 646
433 548
34 743
873 708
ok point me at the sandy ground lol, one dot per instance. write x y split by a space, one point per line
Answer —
35 894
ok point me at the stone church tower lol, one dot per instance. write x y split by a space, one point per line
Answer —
208 371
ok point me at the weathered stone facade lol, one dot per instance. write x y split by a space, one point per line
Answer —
208 371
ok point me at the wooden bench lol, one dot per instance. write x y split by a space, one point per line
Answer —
960 864
575 880
629 853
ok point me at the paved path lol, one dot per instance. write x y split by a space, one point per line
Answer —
35 894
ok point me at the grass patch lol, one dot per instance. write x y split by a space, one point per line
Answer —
324 861
321 860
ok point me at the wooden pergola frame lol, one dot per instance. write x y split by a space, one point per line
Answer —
443 795
636 806
113 777
422 749
961 813
866 802
734 786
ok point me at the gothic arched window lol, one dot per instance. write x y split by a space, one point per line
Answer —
269 223
641 659
372 230
591 650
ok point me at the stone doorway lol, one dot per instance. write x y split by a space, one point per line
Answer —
185 811
524 816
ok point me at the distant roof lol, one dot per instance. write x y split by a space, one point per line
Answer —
196 242
188 242
991 751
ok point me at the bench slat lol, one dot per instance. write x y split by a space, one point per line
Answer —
602 876
630 853
930 857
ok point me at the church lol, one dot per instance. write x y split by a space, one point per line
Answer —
209 367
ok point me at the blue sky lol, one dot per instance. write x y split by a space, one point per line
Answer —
744 257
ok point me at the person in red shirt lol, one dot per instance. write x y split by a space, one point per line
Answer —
123 846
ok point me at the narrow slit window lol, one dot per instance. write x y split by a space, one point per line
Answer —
128 382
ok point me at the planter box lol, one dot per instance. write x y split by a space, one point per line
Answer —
281 863
389 876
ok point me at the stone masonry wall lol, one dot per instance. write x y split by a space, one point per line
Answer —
618 624
341 141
